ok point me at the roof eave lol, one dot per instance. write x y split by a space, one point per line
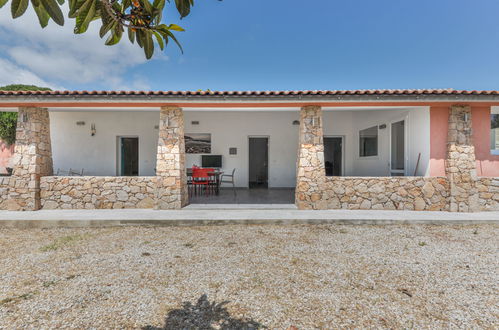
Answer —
33 98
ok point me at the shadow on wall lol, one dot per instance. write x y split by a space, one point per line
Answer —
204 315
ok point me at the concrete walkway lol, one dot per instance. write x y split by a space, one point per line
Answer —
220 215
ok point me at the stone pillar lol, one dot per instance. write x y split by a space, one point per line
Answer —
310 172
460 165
32 159
171 183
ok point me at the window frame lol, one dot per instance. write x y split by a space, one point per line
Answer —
360 141
493 111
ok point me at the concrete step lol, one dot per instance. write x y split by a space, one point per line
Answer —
196 217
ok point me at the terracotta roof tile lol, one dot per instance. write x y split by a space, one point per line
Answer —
261 93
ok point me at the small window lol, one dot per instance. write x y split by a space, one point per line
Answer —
494 132
368 142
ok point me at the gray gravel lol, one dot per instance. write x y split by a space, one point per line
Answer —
309 276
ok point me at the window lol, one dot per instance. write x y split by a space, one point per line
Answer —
494 132
368 142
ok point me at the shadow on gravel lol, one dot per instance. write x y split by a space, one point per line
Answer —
204 315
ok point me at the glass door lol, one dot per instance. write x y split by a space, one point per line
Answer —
258 162
333 155
129 156
397 148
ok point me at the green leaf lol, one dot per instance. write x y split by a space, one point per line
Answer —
61 2
115 37
85 15
131 35
54 11
184 7
74 6
140 38
147 7
106 27
171 35
148 45
159 4
18 7
43 16
159 38
3 2
175 27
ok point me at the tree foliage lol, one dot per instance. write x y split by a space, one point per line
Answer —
142 19
8 120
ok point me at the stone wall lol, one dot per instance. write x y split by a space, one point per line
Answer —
310 171
4 191
94 192
488 191
460 165
379 193
32 158
171 190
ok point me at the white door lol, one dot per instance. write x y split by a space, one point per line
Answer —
397 148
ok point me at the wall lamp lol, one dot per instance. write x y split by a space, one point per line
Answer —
93 130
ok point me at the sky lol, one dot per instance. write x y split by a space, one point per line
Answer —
271 45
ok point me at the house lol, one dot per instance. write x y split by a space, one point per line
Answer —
359 149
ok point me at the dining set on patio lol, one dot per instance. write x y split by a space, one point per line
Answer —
207 181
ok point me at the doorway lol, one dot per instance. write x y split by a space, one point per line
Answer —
397 148
128 156
258 162
333 155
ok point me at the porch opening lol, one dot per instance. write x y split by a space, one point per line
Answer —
258 150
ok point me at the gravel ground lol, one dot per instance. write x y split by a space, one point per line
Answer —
309 276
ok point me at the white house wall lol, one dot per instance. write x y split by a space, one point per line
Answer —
74 147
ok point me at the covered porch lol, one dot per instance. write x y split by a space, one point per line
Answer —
327 155
259 146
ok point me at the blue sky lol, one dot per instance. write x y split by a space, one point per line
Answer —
274 45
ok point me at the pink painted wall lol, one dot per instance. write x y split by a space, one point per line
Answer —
487 164
6 153
439 122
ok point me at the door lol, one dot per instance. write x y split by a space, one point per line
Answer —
129 156
333 155
258 162
397 148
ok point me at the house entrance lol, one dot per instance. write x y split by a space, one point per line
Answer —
128 156
258 162
333 155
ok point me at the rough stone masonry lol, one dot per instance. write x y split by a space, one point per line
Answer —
32 159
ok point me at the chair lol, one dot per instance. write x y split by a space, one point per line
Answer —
230 179
75 172
200 178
